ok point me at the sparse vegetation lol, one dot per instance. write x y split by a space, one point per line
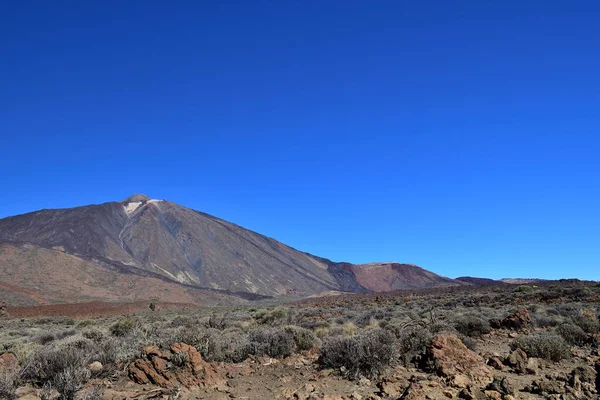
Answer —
354 336
547 345
366 354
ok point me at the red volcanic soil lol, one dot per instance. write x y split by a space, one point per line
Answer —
92 309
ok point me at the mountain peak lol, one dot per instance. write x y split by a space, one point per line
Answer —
136 198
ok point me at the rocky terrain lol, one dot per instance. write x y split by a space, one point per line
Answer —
145 249
487 342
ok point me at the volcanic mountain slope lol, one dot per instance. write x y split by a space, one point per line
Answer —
479 281
158 239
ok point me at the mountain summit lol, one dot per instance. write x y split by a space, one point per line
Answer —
162 240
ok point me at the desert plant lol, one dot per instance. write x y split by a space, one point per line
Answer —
70 380
272 342
366 354
547 345
472 326
304 339
589 324
572 333
7 386
62 367
123 326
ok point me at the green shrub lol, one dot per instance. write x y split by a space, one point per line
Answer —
366 354
304 339
472 326
572 333
123 326
524 289
547 345
276 343
589 325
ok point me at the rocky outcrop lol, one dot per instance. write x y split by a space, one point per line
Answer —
516 321
451 359
181 365
581 384
521 364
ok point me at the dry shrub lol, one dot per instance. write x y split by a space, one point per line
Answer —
366 354
547 345
572 333
472 326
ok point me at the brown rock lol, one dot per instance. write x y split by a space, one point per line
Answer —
156 368
415 391
8 362
532 366
517 360
495 363
392 388
501 385
95 366
519 320
470 393
492 395
195 359
451 357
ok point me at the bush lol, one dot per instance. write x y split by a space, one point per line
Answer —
545 321
229 346
472 326
304 339
7 386
547 345
63 368
123 326
589 325
366 354
70 380
272 342
573 334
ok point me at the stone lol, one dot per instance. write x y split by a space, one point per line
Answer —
392 388
501 385
532 366
517 360
450 358
492 395
495 363
95 367
460 381
516 321
415 391
8 362
156 367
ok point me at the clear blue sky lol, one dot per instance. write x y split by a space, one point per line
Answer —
461 136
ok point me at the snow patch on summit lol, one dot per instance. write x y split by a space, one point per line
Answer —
131 207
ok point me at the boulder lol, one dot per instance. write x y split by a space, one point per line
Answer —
450 358
95 367
415 391
495 363
517 360
8 362
516 321
190 371
501 385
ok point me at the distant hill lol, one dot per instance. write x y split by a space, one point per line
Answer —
479 281
142 248
522 281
